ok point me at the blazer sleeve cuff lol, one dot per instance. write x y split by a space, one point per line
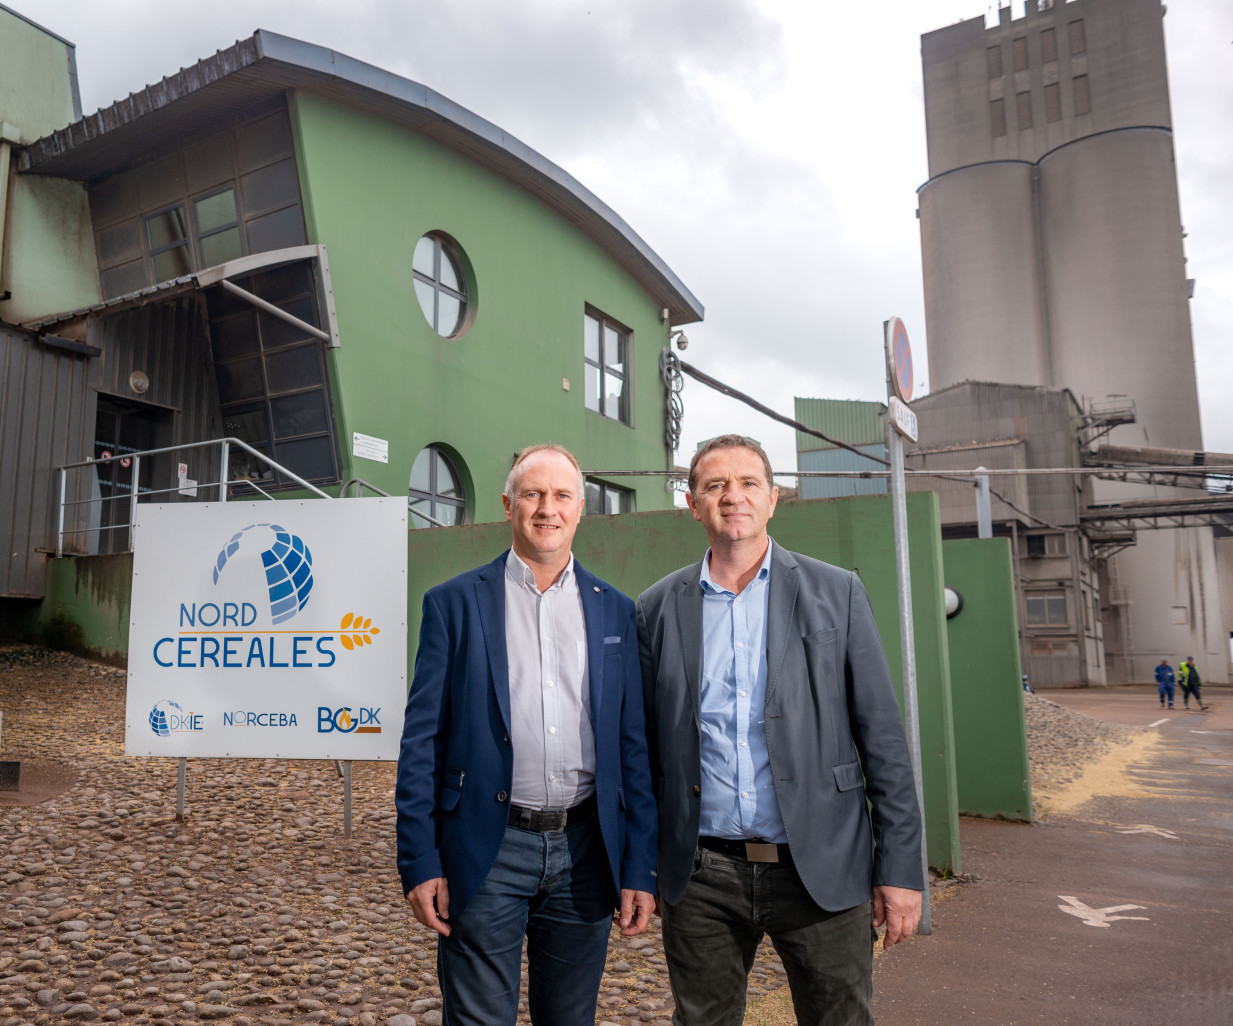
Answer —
890 871
415 872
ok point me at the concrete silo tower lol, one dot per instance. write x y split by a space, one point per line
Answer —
1052 252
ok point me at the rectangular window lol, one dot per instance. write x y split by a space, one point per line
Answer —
1078 37
604 499
1045 544
218 228
1083 99
997 117
605 355
993 56
167 235
1023 110
1048 45
1053 102
1047 610
1021 54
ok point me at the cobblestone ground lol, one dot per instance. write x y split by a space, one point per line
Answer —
252 910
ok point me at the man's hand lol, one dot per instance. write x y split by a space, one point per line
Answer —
430 902
899 909
635 914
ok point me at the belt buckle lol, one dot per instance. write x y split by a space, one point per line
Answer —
756 851
554 819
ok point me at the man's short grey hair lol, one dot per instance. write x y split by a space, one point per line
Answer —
728 442
511 481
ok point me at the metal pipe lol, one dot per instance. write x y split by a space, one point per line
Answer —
60 529
181 775
274 311
347 799
224 467
132 499
984 509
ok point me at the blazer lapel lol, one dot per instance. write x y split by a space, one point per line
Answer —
490 597
689 626
591 590
785 580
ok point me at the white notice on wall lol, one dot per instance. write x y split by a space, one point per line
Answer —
369 448
268 629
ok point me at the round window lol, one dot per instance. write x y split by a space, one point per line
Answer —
436 490
441 284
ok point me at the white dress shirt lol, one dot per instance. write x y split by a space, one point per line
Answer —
549 693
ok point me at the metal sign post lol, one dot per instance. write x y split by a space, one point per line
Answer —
900 422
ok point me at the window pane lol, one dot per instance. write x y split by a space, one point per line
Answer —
239 379
292 369
276 333
425 506
1024 113
1056 607
614 500
615 389
234 336
248 426
448 515
270 187
1036 611
119 281
590 338
426 294
1048 45
449 313
1053 102
1021 54
421 470
221 247
591 387
166 228
215 211
450 277
614 350
1078 38
993 57
311 458
171 263
1083 99
422 261
997 118
302 414
594 497
119 243
447 482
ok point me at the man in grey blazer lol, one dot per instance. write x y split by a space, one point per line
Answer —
771 718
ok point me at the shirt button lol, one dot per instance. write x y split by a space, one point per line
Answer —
740 644
744 794
744 744
552 730
501 796
552 777
550 683
741 693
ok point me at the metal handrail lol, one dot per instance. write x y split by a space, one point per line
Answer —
135 491
361 484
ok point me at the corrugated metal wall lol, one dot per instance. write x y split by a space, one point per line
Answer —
854 421
840 459
46 419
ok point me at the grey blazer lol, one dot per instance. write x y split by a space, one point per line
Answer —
831 712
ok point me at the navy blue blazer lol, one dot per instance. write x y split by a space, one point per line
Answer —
456 762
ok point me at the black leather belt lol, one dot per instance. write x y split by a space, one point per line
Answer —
753 850
541 821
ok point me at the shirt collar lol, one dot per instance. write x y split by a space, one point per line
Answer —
708 585
523 576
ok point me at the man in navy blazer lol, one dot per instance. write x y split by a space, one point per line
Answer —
524 793
772 721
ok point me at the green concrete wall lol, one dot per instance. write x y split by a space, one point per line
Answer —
371 189
991 757
86 606
857 533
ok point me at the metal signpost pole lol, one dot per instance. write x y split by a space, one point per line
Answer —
901 419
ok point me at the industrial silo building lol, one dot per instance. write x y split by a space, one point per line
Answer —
1052 253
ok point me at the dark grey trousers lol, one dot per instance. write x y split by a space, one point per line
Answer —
712 934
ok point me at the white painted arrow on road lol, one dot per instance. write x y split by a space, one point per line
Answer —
1147 828
1096 916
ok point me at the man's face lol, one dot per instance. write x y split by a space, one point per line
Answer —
545 509
732 499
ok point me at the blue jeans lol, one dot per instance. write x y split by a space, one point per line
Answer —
555 889
712 934
1165 689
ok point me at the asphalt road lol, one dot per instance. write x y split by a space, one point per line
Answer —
1114 908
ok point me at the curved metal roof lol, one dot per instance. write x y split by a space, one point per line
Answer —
258 71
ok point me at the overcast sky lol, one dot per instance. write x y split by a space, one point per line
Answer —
768 151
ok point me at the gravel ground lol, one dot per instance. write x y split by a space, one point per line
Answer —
254 909
1061 742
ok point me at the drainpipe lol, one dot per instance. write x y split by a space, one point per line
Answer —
10 135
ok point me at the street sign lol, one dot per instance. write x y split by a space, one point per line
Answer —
901 358
903 418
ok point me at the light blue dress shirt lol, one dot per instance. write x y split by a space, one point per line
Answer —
738 790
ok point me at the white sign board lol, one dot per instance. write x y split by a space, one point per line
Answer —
369 448
268 629
904 419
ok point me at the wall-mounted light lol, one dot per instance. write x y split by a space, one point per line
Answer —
139 382
954 602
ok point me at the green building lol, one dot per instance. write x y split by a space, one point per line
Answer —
340 267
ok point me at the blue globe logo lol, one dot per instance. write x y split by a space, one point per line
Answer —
288 569
158 717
